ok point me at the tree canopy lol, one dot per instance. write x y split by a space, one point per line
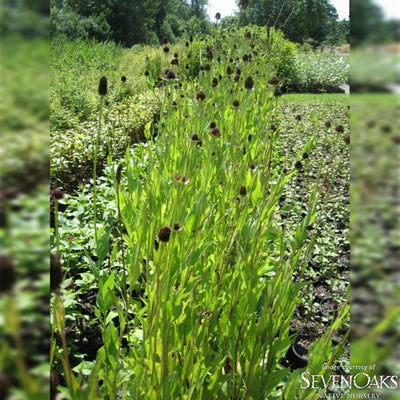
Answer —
301 20
129 21
150 21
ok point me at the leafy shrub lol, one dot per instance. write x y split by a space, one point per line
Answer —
24 112
373 69
72 144
318 71
74 26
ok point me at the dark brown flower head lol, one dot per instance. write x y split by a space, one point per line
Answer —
217 16
182 179
8 273
195 137
245 57
249 83
54 382
186 44
238 71
56 273
103 86
274 80
177 227
339 128
214 82
123 78
328 123
9 194
347 139
174 61
174 104
252 166
305 156
371 123
207 67
229 70
191 38
164 234
212 125
176 55
166 49
247 35
215 132
396 138
236 78
298 117
273 128
146 73
386 129
170 74
236 103
249 138
200 95
277 92
298 165
118 173
243 191
57 194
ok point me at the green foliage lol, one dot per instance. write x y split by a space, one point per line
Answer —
24 111
24 19
300 20
319 71
368 25
199 268
128 22
373 70
72 25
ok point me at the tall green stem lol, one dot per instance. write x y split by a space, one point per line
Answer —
96 148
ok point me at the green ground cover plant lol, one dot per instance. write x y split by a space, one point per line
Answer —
218 234
24 112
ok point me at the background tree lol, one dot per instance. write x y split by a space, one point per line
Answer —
368 24
301 20
129 21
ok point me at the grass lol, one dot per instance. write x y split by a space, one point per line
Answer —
199 279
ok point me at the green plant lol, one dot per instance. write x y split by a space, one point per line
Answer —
319 71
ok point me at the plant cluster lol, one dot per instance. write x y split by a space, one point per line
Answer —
186 262
130 105
319 71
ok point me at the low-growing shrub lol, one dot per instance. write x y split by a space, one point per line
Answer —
318 71
72 148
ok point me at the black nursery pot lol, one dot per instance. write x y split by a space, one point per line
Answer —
313 264
297 355
325 306
344 263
